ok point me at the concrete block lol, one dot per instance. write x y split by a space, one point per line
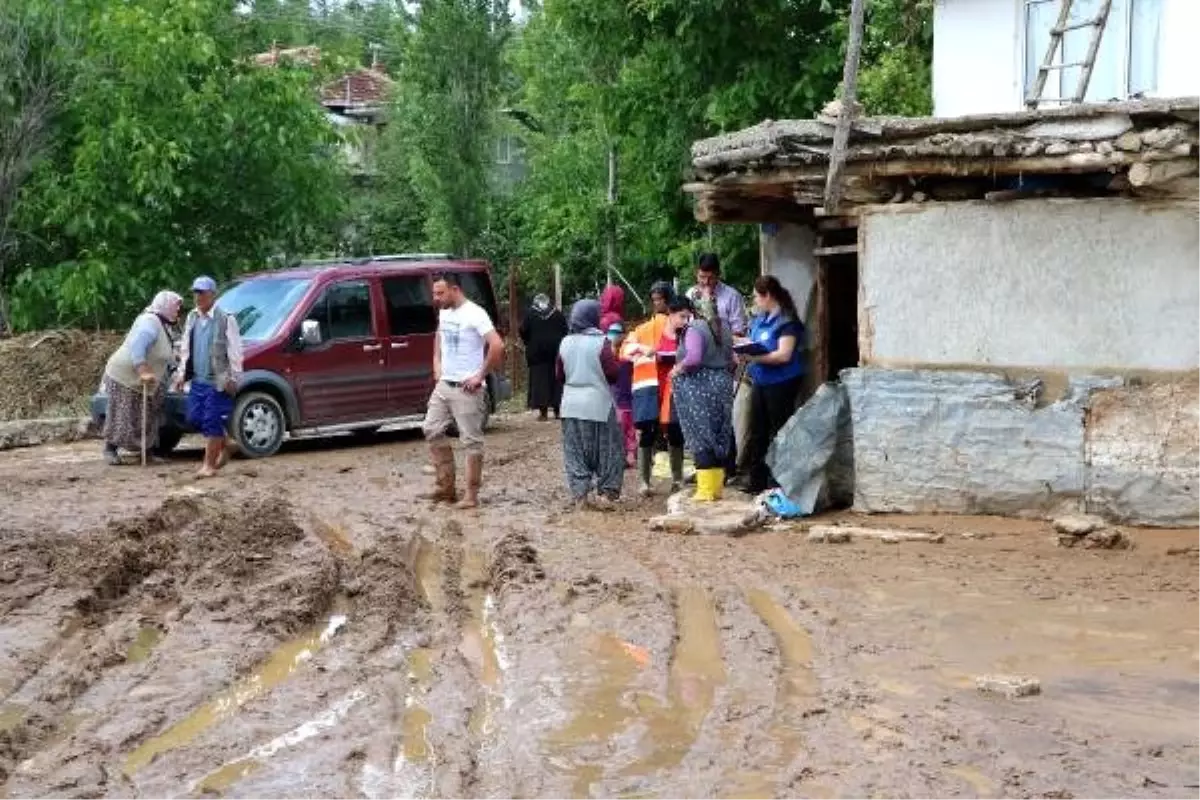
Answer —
1010 686
1142 454
932 441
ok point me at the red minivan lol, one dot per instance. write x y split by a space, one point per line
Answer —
333 347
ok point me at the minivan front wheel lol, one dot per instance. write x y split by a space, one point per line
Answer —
258 424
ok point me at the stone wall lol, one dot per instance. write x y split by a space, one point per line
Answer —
942 441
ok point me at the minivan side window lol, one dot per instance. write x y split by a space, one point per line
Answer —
478 290
344 311
410 305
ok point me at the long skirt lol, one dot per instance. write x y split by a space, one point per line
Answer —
123 420
704 399
593 454
545 392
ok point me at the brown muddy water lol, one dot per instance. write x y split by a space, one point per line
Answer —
303 626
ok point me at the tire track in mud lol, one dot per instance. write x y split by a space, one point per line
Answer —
448 716
89 715
736 693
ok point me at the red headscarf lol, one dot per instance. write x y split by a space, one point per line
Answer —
612 306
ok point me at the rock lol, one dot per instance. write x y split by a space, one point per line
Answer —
721 518
672 523
835 533
1079 524
828 535
1010 686
1130 142
1106 540
1058 149
32 432
1104 148
975 535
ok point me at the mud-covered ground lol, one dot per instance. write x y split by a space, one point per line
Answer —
304 627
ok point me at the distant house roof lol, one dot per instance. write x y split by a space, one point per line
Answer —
308 55
359 93
366 87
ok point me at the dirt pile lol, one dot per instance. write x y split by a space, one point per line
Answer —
201 562
53 373
205 551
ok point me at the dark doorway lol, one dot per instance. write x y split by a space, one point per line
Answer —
836 345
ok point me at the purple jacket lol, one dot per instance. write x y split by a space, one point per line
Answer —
622 387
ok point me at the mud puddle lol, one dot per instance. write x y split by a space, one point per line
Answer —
697 671
482 644
280 666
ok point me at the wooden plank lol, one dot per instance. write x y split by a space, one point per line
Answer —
1089 62
841 134
836 250
821 343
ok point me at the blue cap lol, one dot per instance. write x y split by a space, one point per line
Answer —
204 284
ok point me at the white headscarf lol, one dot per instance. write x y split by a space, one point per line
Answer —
166 304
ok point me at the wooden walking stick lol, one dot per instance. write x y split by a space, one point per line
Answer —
145 410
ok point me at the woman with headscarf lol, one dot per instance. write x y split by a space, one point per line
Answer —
140 366
651 347
593 456
612 306
703 393
542 331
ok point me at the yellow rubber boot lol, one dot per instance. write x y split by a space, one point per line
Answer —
708 485
717 476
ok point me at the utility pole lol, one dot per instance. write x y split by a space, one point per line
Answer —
841 134
610 255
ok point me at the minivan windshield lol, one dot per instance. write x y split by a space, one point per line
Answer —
260 305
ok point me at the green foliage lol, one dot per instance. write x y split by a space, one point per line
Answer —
896 76
443 117
653 76
174 156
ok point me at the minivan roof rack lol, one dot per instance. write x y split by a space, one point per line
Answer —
362 260
414 257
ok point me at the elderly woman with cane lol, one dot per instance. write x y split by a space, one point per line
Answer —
135 381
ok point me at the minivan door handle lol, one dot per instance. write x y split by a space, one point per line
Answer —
399 345
371 348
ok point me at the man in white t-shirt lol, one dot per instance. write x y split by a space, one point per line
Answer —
468 349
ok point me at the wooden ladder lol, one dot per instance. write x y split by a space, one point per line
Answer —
1063 25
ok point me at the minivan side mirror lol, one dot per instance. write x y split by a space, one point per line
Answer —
310 332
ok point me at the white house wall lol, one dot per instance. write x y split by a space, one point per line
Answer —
977 65
1092 303
1097 285
1179 62
979 61
788 255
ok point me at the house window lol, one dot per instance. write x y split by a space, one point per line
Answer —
1126 63
504 150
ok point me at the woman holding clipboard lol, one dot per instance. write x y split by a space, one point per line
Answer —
776 370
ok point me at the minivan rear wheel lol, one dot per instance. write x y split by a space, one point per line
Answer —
258 424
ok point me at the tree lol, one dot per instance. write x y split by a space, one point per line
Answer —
444 115
652 76
897 71
32 41
174 156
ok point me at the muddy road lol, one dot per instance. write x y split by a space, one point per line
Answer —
303 627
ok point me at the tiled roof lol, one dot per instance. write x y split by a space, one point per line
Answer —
308 55
367 86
